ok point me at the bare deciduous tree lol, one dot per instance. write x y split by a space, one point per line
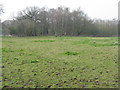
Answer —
1 9
35 21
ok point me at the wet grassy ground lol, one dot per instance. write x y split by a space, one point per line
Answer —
60 62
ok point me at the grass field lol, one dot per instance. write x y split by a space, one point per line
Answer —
60 62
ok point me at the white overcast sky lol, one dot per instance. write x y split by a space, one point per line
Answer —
103 9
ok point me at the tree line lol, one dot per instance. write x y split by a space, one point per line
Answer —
61 21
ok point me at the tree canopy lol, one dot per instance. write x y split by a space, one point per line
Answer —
35 21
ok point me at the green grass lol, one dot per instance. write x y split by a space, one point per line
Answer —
71 53
60 62
44 40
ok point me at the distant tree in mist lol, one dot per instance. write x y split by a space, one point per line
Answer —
1 9
35 21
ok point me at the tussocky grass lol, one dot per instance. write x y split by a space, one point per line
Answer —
67 62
